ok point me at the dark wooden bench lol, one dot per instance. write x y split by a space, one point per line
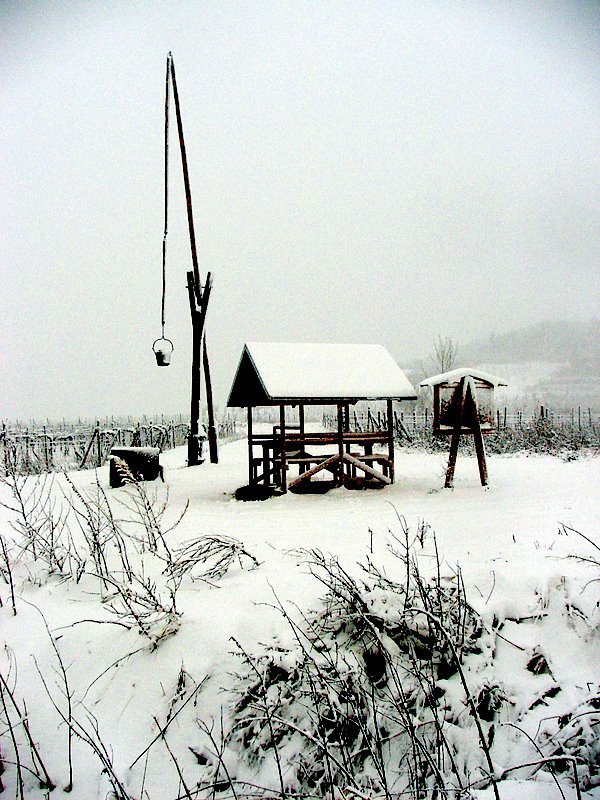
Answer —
142 462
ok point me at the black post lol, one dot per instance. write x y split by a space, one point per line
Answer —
212 429
283 459
251 450
193 449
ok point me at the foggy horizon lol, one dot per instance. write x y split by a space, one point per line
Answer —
371 173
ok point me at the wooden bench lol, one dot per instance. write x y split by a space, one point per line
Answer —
141 462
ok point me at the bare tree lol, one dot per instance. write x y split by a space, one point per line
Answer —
445 350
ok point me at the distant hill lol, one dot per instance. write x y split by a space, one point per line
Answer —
555 342
553 363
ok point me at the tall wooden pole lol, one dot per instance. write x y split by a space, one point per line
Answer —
198 305
186 182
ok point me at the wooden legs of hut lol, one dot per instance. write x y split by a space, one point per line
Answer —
347 455
467 421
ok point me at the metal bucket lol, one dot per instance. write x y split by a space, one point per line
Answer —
163 351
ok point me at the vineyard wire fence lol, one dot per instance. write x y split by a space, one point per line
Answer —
58 447
540 431
419 422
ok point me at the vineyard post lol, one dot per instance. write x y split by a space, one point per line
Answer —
46 448
98 444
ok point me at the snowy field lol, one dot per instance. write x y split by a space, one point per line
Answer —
526 573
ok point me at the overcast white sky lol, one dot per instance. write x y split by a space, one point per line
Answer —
361 172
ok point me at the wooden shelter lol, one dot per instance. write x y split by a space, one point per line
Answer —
297 375
463 403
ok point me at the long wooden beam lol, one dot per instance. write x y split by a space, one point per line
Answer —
305 476
365 468
186 181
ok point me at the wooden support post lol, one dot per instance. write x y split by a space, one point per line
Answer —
212 428
198 315
390 432
302 467
340 433
480 450
347 429
193 438
98 445
455 436
477 435
250 465
266 464
467 417
282 449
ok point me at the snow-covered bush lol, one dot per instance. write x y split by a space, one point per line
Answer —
393 687
371 692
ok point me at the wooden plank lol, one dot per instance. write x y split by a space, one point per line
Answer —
307 459
305 476
365 468
331 437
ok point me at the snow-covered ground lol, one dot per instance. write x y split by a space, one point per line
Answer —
513 542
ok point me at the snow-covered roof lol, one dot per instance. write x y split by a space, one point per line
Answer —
272 372
455 375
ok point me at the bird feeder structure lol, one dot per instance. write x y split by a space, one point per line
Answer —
463 404
299 375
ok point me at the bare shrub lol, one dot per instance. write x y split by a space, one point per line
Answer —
360 701
210 557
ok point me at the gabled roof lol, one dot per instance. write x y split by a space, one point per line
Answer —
270 373
456 374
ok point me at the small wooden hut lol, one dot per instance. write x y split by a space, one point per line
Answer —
297 375
463 403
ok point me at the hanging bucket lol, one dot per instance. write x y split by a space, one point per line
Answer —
163 348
